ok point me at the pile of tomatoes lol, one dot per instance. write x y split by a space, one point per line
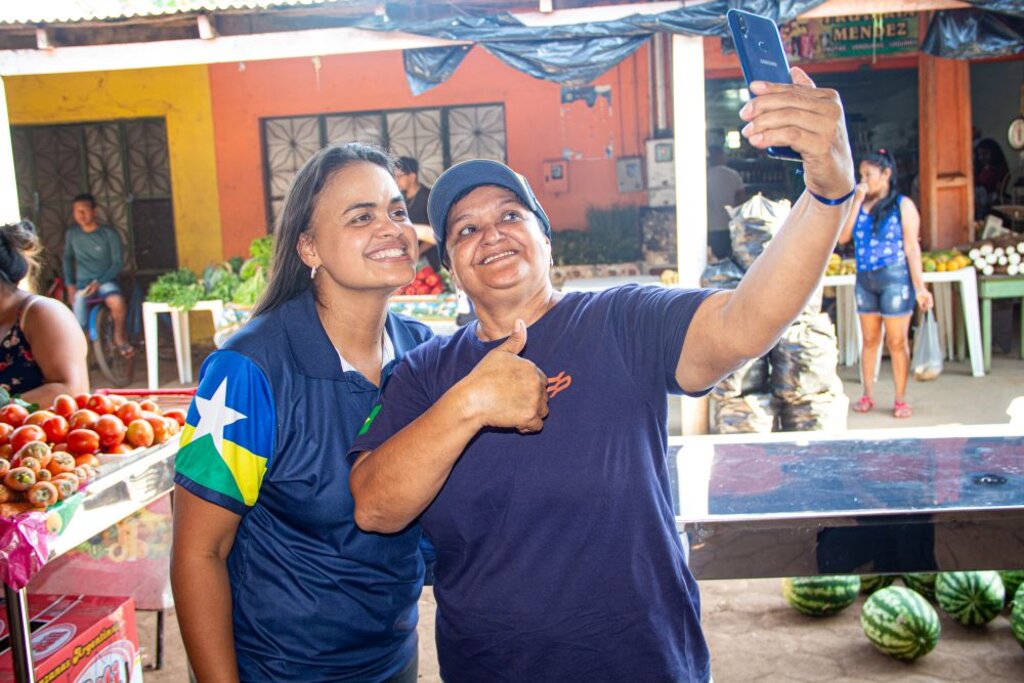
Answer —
47 455
427 281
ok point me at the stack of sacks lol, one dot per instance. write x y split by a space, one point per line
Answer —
795 387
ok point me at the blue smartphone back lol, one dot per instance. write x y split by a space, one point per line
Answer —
762 58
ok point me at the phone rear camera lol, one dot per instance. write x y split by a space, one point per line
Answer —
743 23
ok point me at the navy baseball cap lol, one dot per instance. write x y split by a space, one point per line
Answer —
460 179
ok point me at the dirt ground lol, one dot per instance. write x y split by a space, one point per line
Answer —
753 635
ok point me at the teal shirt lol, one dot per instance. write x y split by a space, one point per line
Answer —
92 255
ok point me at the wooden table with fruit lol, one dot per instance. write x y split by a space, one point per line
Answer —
69 472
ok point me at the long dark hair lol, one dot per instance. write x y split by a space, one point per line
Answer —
882 160
19 247
289 276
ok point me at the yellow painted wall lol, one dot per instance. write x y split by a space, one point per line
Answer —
179 94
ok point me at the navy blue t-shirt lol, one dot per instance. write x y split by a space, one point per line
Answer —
558 556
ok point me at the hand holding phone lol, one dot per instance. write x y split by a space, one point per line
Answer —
788 116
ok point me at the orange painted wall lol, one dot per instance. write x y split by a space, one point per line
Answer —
538 126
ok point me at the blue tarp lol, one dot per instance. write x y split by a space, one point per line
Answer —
575 53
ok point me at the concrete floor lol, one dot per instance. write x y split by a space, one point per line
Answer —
753 634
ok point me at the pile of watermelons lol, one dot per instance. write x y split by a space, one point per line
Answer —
900 621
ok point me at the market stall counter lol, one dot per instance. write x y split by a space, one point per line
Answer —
880 502
126 484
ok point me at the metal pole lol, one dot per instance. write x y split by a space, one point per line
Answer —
21 645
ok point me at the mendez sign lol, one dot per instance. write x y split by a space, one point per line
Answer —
863 35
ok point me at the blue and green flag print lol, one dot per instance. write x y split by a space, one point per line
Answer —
228 438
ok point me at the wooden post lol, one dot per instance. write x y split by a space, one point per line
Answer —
946 164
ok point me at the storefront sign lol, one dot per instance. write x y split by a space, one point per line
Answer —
862 35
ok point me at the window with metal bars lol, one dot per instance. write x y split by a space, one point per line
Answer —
436 137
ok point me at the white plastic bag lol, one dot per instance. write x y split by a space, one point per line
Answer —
926 364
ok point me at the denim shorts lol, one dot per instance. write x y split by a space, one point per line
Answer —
887 291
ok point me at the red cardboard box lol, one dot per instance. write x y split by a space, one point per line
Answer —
78 639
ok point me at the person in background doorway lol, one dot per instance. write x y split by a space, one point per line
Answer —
725 188
407 174
990 172
92 261
884 227
42 348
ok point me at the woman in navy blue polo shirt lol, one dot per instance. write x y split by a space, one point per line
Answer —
272 579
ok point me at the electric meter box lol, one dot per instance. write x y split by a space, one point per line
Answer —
661 172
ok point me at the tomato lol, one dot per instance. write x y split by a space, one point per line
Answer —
172 426
64 405
42 493
31 463
62 447
6 451
83 419
129 411
122 448
13 414
160 429
56 428
89 459
5 467
117 400
150 405
44 474
33 449
177 414
62 462
66 486
5 432
22 435
20 479
100 404
37 418
140 433
84 473
111 431
83 441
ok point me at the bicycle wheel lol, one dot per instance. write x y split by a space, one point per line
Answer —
118 369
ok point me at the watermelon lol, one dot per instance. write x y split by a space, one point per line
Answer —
1017 615
900 623
972 598
922 583
818 596
1011 579
869 583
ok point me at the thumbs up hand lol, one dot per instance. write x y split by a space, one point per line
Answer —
507 391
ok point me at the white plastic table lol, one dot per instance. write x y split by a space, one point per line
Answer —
182 337
848 325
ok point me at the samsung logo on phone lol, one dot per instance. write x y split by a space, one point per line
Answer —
768 62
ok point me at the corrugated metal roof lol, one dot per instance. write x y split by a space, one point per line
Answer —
70 11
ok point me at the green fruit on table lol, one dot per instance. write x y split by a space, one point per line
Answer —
869 583
922 583
1017 615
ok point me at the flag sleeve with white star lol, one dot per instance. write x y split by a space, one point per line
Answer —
228 438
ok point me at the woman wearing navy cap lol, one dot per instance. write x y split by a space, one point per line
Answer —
531 444
272 579
890 281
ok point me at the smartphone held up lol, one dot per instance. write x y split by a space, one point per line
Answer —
762 58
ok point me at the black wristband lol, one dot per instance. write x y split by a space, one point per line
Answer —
833 202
